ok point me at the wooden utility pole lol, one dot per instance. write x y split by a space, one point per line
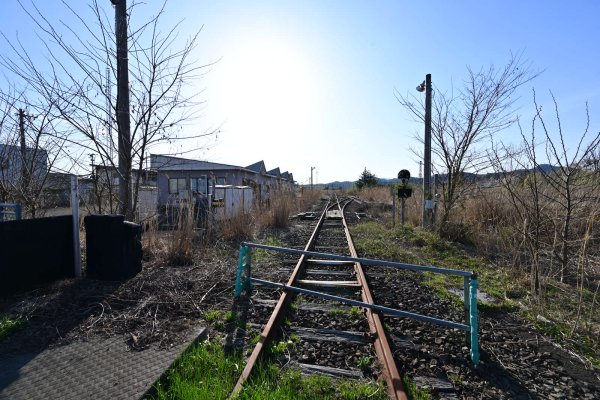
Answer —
427 154
123 122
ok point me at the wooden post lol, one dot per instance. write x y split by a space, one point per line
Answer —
75 214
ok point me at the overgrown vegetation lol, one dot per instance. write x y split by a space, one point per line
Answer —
185 230
175 245
568 314
203 372
9 325
207 371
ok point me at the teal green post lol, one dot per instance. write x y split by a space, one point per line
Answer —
242 282
473 319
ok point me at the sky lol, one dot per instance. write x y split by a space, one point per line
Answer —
303 84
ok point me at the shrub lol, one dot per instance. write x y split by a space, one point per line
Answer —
456 232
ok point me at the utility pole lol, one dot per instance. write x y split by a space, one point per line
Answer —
109 116
123 122
24 169
427 154
311 176
92 156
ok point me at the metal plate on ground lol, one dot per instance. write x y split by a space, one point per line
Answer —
94 369
334 214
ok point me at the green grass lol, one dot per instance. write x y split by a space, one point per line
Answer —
271 383
218 318
212 316
355 312
413 391
415 246
206 371
9 326
364 362
203 372
562 332
262 254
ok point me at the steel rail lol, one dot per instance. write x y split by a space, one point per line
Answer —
269 330
382 345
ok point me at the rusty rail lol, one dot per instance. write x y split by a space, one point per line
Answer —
381 343
268 332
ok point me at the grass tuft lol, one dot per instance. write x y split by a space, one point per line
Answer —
9 326
204 372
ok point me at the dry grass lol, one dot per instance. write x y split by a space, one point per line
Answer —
375 194
307 197
238 228
283 204
179 245
174 246
383 198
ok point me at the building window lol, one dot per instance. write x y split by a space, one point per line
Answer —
176 185
198 185
221 180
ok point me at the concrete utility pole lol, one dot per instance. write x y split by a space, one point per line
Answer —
427 154
123 122
24 169
311 176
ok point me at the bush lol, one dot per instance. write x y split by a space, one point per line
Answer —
456 232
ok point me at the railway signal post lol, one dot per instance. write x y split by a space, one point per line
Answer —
404 191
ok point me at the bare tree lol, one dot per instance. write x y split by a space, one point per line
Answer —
463 120
30 144
571 189
552 194
79 72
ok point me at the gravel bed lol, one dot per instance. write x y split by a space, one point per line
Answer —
517 362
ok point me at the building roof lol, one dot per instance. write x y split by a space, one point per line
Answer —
274 172
9 149
258 167
169 163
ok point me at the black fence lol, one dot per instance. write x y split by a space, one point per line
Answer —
35 251
38 251
113 247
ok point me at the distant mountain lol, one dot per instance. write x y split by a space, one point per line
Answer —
417 181
338 185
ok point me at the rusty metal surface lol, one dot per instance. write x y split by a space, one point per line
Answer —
278 313
382 345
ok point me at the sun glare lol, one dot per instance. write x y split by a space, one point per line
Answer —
269 85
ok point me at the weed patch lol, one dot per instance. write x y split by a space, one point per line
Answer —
207 371
272 383
9 326
204 372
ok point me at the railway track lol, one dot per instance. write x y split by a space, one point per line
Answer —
332 338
